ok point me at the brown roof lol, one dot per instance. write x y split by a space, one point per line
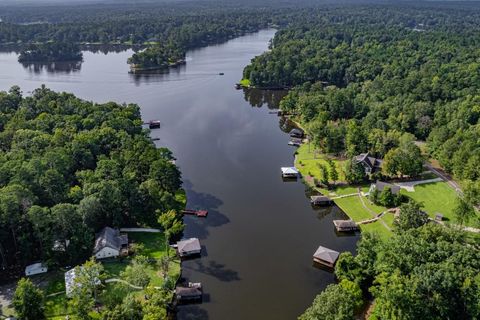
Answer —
345 224
326 254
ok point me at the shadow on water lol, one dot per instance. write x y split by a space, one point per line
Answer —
194 312
259 98
65 67
214 269
203 201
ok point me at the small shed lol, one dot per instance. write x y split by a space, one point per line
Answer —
438 216
325 256
345 225
189 247
289 172
35 268
296 133
320 200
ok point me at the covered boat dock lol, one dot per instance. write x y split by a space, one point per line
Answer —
325 256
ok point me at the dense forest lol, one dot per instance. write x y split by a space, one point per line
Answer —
71 167
51 52
366 78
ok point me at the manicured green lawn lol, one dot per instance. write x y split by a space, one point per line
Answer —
307 162
154 243
436 197
352 206
378 228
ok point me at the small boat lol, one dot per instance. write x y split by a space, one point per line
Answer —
221 74
238 86
294 143
155 139
154 124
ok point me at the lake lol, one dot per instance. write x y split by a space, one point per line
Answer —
261 232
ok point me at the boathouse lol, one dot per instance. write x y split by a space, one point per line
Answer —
289 172
154 124
326 257
296 133
188 247
320 201
345 225
185 294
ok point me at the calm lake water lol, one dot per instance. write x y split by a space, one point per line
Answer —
261 232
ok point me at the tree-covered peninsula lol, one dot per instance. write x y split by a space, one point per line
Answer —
70 168
51 52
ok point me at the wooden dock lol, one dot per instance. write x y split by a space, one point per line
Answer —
198 213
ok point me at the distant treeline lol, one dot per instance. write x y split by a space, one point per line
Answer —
51 51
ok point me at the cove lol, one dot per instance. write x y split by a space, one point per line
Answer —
261 232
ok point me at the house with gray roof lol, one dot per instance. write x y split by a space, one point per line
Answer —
380 186
370 164
109 243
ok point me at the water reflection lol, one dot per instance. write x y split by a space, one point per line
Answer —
65 67
258 98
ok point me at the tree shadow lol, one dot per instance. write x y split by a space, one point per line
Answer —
214 269
192 312
197 226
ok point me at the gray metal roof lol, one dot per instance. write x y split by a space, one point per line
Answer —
189 245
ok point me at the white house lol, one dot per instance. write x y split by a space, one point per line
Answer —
109 243
35 268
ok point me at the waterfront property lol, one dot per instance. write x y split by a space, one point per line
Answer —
380 186
345 225
289 172
370 164
320 200
109 243
188 247
325 256
35 268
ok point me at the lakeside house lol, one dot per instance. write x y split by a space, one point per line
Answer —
320 200
296 133
35 268
380 186
345 225
188 247
289 172
370 164
325 256
110 243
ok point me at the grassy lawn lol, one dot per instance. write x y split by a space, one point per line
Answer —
352 206
436 197
307 162
377 227
154 244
